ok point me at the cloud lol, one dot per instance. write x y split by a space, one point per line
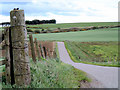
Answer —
4 18
66 11
82 18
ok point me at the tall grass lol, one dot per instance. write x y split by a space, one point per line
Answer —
53 74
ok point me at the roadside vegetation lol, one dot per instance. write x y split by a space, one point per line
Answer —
98 53
53 74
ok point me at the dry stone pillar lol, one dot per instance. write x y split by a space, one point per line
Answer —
19 43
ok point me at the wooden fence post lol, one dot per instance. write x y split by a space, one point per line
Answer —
32 48
7 56
19 49
42 51
49 53
45 53
37 49
54 54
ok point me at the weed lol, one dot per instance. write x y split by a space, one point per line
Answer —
53 74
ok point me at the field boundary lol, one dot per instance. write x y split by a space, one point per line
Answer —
69 29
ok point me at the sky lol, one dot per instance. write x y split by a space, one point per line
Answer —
64 11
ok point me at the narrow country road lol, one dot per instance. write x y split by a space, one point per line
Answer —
107 76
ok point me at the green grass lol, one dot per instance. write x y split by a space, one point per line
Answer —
54 74
1 28
57 52
110 34
68 25
1 59
2 66
97 53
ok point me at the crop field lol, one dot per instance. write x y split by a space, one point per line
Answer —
101 45
94 52
69 25
110 34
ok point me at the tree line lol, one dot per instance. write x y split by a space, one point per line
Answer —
33 22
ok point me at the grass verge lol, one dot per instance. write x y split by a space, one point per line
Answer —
54 74
57 52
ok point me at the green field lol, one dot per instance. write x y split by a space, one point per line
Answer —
68 25
103 53
110 34
108 50
1 28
